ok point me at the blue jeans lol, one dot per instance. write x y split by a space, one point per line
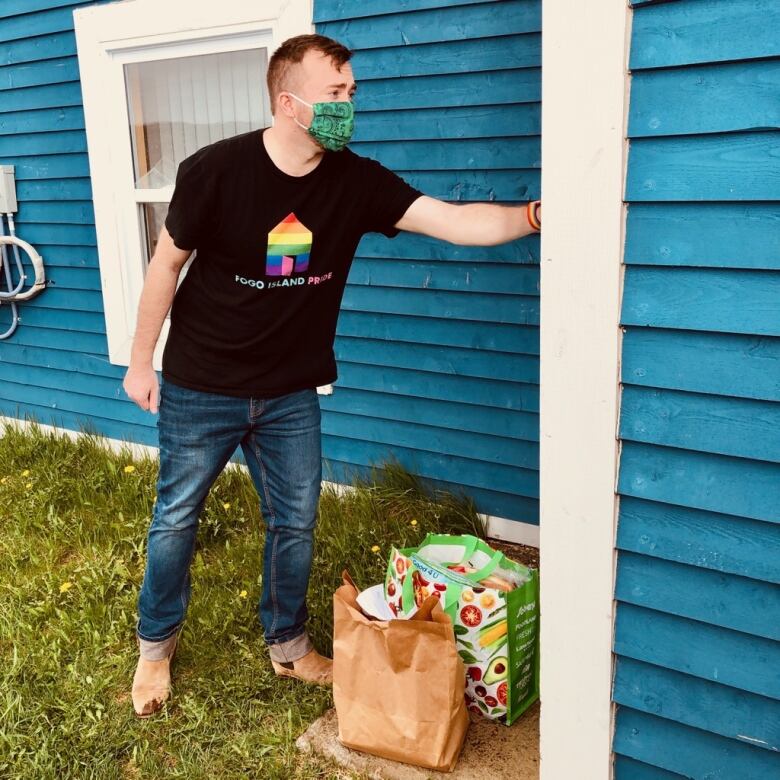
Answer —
281 441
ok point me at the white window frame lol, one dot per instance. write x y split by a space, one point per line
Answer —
108 37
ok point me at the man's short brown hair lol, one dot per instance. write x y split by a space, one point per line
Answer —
291 53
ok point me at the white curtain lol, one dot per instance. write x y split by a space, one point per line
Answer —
179 105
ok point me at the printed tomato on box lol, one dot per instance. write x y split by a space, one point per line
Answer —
395 576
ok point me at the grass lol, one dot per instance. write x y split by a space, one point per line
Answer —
73 524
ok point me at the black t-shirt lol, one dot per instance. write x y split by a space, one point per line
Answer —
256 313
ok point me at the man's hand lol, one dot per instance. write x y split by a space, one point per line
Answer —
142 386
468 224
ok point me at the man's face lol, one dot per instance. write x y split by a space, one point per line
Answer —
319 80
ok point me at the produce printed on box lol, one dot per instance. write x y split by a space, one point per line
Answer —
493 604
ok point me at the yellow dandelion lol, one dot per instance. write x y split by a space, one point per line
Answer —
226 505
26 473
243 594
375 548
3 480
129 469
65 586
414 522
28 485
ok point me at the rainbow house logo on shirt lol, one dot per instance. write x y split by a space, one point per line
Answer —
289 246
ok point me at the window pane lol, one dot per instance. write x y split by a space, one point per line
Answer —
179 105
153 216
152 219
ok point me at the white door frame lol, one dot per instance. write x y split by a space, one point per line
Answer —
584 101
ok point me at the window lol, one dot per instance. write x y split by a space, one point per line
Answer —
178 105
160 81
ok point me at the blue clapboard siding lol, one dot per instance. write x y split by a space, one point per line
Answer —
723 710
438 345
55 367
730 235
629 769
725 425
698 578
698 753
685 32
717 98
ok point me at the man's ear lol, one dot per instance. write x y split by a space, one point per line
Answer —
284 104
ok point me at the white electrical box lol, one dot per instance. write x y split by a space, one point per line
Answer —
7 190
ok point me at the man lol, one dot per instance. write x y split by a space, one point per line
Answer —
276 215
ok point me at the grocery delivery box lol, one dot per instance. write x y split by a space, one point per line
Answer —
493 603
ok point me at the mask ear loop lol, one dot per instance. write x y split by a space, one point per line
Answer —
305 103
301 99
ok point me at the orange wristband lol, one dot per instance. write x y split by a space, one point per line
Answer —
530 212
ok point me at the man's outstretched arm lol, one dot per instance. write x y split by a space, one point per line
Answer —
468 224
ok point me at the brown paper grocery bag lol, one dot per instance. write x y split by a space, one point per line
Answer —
398 685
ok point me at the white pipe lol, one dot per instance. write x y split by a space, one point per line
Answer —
37 262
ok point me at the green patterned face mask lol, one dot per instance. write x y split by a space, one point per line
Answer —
332 124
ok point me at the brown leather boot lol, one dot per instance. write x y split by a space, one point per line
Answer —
312 668
152 683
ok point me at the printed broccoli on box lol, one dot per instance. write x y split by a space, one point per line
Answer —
494 607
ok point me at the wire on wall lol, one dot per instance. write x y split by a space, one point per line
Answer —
14 291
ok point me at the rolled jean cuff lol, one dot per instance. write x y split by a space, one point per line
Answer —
156 651
291 650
